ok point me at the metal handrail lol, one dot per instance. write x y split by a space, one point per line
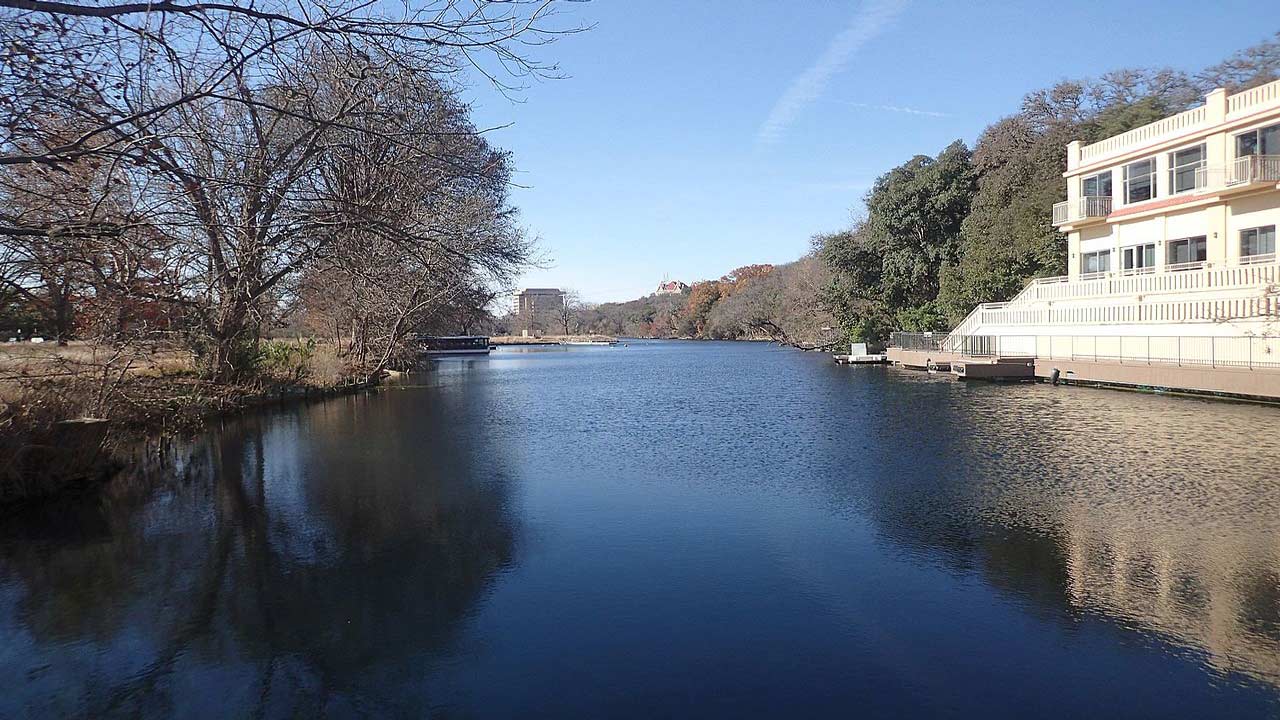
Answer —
918 340
1251 352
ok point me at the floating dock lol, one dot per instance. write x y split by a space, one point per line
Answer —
996 368
858 355
869 359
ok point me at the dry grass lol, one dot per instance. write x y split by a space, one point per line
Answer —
152 391
27 361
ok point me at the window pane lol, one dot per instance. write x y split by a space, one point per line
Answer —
1247 144
1199 249
1128 259
1190 156
1090 187
1104 184
1149 256
1258 241
1184 179
1138 185
1248 243
1139 189
1270 140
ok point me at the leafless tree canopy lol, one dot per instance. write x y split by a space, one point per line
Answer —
213 162
115 71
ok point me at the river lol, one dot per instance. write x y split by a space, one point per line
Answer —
669 529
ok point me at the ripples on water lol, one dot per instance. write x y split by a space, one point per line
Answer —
669 529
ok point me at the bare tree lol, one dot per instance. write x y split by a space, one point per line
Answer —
567 313
122 68
424 233
214 129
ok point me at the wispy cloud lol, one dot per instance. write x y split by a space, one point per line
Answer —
898 109
872 18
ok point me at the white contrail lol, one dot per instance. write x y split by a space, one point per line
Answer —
872 18
899 109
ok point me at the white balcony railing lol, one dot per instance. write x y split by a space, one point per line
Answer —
1080 209
1253 169
1127 311
1245 275
1240 105
1037 303
1241 171
1245 352
1252 352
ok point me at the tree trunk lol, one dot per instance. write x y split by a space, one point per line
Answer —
62 317
225 361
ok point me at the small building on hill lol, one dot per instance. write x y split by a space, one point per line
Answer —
671 287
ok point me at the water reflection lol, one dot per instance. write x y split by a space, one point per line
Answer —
1160 514
288 572
667 529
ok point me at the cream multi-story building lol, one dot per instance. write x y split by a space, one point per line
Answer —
1171 246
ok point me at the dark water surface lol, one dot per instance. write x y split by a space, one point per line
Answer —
669 529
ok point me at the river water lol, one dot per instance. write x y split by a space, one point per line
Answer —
669 529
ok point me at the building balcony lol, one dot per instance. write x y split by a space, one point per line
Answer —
1241 172
1085 208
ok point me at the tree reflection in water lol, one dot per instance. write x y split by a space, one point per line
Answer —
1157 513
306 557
774 546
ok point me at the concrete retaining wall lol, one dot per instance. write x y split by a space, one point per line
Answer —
1236 382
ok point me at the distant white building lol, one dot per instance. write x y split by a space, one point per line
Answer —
671 287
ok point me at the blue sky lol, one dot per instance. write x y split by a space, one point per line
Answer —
691 137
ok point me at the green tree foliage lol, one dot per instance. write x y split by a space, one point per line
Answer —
1008 238
887 271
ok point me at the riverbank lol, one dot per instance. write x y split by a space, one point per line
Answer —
550 339
67 414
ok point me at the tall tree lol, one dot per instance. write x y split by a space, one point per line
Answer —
887 270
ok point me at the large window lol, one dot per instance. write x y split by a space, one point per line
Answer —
1187 253
1095 262
1263 141
1096 185
1140 180
1183 165
1258 244
1139 259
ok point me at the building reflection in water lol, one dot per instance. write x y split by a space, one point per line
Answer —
309 561
1162 514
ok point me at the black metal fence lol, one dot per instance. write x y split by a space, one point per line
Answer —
918 341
